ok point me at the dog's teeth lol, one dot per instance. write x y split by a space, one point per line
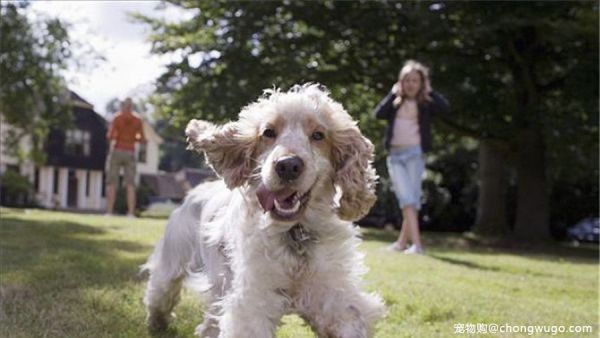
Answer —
288 212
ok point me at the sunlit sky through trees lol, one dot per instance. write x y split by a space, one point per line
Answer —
128 68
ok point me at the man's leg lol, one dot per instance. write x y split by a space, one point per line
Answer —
112 181
130 199
130 169
111 194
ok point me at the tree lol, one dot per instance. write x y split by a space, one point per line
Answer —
533 62
245 47
113 106
492 208
33 96
504 66
140 106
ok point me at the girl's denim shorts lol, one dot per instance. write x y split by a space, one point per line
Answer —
406 167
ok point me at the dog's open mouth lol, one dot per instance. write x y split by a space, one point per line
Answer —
285 204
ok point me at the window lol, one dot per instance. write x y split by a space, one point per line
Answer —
142 153
55 183
13 168
77 142
36 179
103 190
87 183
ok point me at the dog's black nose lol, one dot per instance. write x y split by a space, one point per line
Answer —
289 167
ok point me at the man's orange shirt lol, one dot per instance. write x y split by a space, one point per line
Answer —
126 129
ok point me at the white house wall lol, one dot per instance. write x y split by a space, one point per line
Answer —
151 164
82 200
44 193
97 201
152 152
63 187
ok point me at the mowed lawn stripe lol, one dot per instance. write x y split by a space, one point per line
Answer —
75 275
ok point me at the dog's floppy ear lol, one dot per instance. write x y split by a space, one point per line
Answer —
354 174
227 150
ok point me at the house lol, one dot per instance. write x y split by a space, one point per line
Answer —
188 178
163 188
72 176
172 187
148 154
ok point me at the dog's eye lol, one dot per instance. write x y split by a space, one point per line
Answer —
270 133
318 136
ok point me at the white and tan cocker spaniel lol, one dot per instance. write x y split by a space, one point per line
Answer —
275 235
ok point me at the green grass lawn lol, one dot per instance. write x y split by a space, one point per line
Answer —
72 275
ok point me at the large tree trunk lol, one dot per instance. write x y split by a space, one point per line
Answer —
532 221
491 207
532 217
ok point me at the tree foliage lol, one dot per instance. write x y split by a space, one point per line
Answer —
534 81
32 91
140 106
509 69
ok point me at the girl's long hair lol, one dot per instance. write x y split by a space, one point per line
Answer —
423 94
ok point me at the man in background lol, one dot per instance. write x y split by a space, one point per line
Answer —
125 131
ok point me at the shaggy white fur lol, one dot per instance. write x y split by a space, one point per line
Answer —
274 236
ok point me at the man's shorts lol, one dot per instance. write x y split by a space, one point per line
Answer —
118 159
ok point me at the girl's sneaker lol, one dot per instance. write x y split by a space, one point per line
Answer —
397 247
414 250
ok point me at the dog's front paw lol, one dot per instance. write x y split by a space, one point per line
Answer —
208 329
158 321
354 324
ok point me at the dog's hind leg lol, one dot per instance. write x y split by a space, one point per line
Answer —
162 294
168 268
220 277
210 326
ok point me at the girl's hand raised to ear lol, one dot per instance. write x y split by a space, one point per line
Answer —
397 89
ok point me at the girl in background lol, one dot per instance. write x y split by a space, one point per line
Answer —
409 109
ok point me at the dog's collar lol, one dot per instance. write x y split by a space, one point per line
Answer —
299 238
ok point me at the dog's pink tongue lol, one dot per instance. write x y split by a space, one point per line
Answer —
266 197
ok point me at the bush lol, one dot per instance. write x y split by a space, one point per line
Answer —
450 191
142 193
570 203
15 190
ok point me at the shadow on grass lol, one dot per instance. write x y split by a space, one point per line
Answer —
480 267
464 263
378 235
458 242
73 271
49 252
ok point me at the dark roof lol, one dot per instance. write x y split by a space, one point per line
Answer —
84 107
163 185
76 98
